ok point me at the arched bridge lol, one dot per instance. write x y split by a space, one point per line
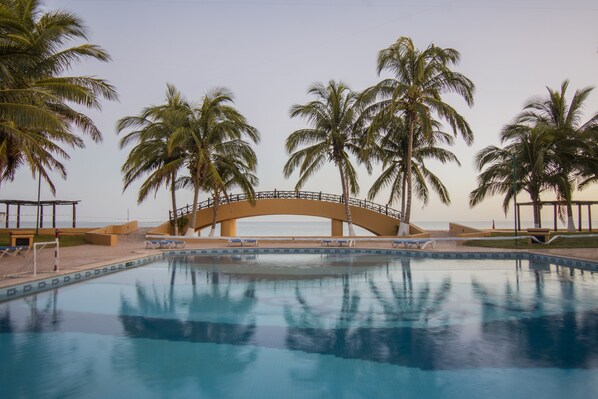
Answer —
378 219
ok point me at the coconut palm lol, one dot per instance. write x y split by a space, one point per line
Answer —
420 78
216 131
332 137
392 152
573 140
530 152
35 115
235 171
552 150
154 155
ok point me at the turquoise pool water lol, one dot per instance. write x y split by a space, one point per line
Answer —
308 326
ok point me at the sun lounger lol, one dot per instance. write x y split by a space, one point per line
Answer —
162 244
249 241
420 243
153 244
13 251
234 242
337 243
175 243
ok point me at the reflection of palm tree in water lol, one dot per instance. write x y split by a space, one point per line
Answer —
407 305
529 331
355 335
159 316
34 339
307 331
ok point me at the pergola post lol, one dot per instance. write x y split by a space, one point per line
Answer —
74 215
7 208
18 216
590 217
579 217
54 215
41 217
555 218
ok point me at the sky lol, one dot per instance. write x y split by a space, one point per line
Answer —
269 52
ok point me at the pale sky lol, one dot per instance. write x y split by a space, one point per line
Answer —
269 52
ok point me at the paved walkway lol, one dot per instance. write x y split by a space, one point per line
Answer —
19 269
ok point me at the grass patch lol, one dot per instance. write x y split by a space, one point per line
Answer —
65 241
522 243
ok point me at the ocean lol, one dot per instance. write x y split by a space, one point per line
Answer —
294 227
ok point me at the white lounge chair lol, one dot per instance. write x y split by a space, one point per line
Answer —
234 242
420 243
13 251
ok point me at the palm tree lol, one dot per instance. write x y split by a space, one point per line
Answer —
420 78
154 155
215 131
392 152
236 171
530 151
35 115
552 150
332 138
573 140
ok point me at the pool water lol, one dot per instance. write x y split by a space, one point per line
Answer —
308 326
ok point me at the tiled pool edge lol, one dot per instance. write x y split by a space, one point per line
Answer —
32 287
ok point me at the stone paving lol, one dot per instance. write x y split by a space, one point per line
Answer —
19 269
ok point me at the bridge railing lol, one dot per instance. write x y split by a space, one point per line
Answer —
304 195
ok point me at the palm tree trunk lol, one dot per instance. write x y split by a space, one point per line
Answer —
536 209
407 215
173 198
346 198
214 213
403 196
191 227
570 222
567 194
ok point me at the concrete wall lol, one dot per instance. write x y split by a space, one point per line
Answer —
456 229
108 235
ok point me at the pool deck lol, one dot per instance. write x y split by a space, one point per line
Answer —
18 269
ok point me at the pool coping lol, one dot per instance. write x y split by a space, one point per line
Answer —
55 281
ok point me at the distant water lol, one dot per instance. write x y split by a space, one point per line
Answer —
296 228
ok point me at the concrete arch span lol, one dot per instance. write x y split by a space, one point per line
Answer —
378 219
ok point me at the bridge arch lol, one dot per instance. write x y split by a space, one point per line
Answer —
378 219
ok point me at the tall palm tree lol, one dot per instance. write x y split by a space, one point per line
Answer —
216 130
573 140
35 115
332 137
237 172
528 150
420 78
392 151
154 155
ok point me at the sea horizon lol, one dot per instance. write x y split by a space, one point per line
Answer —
295 227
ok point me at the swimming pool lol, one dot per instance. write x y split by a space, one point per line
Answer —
311 325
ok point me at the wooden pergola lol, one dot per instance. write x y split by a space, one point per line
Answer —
41 204
555 205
